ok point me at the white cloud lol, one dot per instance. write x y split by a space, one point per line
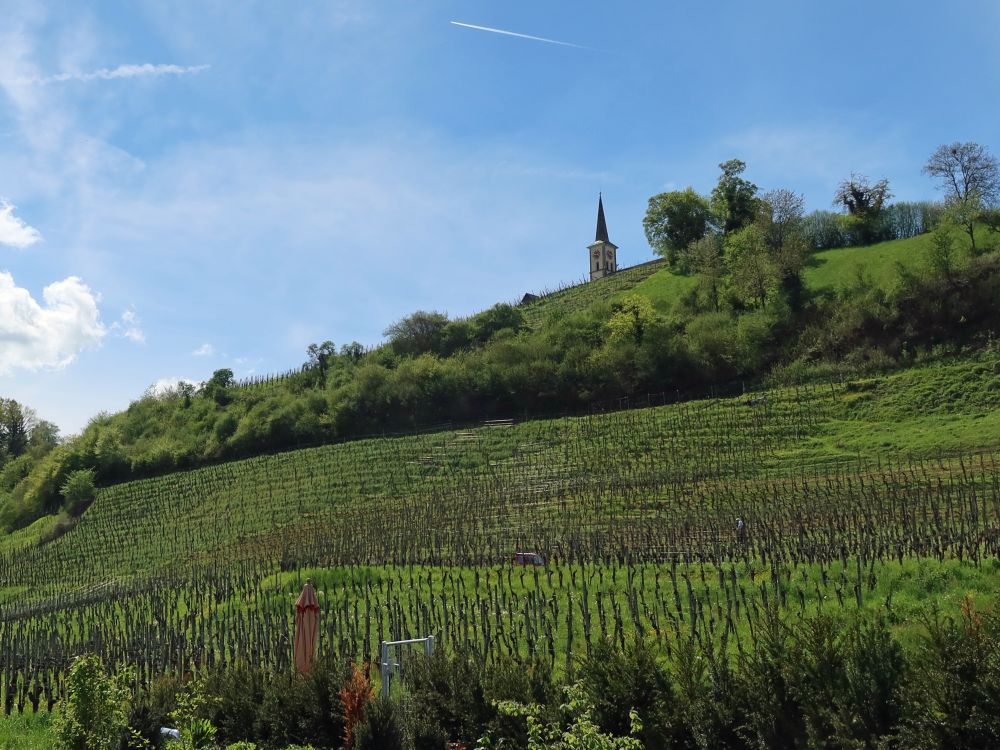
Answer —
166 386
13 231
131 327
109 74
205 350
33 336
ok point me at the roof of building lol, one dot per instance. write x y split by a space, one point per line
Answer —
602 225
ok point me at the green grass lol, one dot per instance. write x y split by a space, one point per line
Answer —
832 270
26 732
663 288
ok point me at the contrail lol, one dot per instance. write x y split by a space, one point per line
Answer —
122 71
520 36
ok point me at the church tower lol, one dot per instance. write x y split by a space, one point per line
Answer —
603 252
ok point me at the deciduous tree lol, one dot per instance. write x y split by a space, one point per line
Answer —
418 333
755 274
674 220
734 199
970 178
863 202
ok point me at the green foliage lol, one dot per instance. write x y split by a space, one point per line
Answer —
94 715
631 318
618 683
864 203
943 254
218 387
674 220
580 730
501 317
320 356
419 333
14 429
705 258
197 732
151 707
381 728
754 273
734 198
447 699
954 694
969 175
78 491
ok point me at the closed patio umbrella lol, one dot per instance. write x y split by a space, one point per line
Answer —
306 628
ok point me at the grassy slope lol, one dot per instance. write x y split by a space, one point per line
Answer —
834 269
826 270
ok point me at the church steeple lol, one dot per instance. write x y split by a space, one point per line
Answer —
602 224
603 252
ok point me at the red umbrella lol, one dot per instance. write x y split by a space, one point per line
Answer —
306 628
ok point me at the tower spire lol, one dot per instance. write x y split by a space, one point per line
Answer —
602 225
603 252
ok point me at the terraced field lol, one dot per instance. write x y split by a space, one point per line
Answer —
634 510
580 296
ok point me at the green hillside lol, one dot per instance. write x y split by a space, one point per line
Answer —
824 270
428 522
835 269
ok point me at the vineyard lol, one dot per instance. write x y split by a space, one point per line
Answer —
634 512
577 297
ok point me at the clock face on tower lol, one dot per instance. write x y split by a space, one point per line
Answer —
597 253
609 255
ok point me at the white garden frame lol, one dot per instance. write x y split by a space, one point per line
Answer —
387 664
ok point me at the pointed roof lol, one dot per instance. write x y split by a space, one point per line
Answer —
602 225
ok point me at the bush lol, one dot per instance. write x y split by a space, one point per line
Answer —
94 715
302 708
448 700
151 709
617 681
381 728
953 699
78 491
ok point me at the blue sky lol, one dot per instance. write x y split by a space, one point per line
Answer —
195 185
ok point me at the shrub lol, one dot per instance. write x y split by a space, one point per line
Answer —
78 491
94 714
293 708
953 699
380 729
355 697
152 707
448 701
619 680
576 729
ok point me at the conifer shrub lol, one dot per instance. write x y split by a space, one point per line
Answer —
381 728
448 701
618 681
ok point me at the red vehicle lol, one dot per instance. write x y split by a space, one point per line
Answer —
528 558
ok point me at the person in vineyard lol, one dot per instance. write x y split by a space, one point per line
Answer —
740 529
